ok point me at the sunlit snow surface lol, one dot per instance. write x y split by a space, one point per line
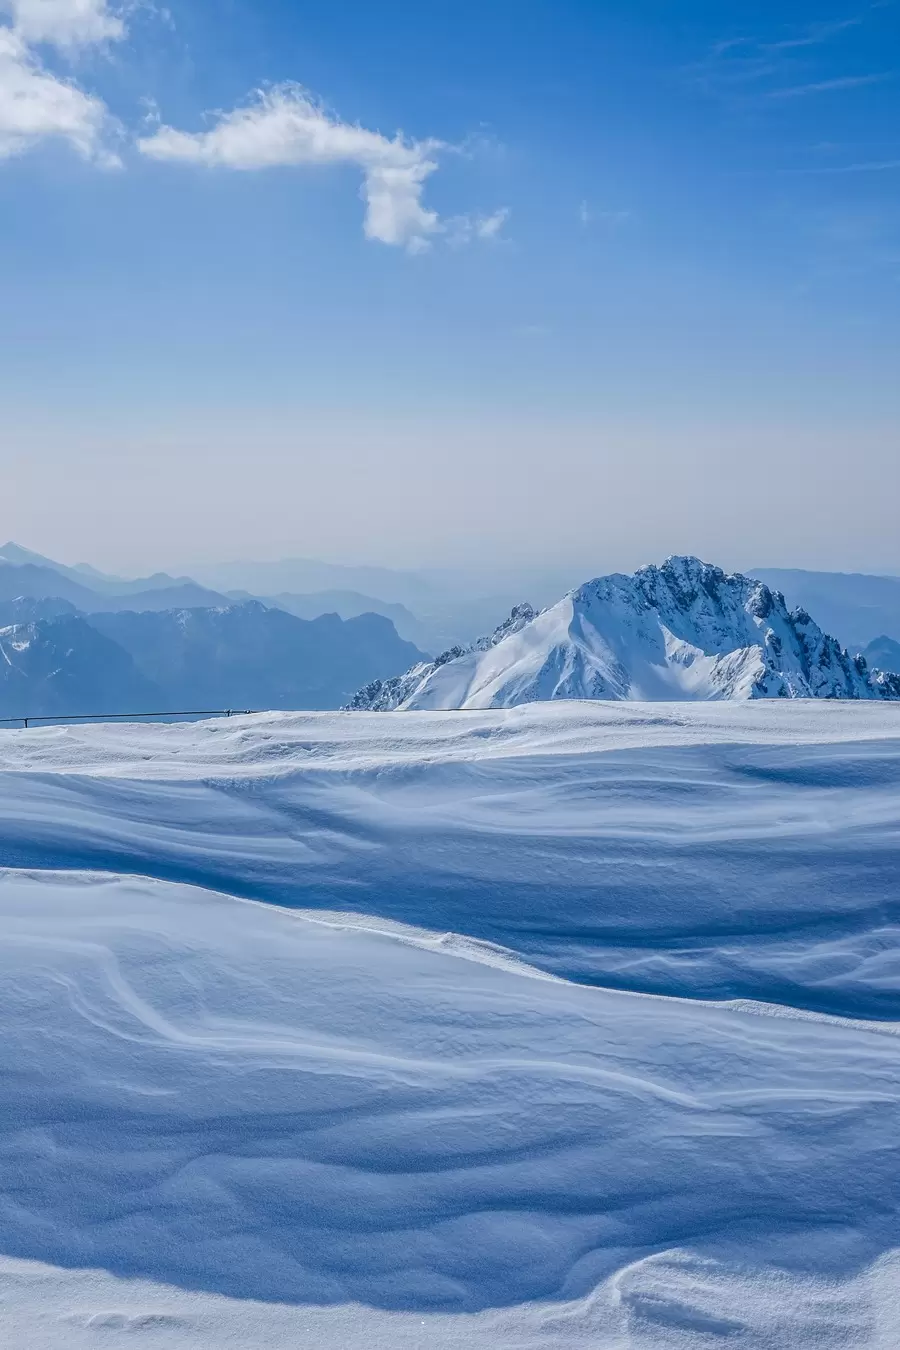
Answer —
469 1110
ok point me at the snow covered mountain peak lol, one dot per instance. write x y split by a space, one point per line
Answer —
683 630
386 695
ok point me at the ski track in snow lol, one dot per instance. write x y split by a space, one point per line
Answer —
569 1025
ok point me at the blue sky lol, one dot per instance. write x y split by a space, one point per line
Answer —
627 285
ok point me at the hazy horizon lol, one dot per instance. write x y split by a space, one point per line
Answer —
503 572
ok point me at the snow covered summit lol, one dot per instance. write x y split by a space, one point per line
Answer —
685 630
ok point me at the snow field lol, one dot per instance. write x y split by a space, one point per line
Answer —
703 851
404 1105
231 1099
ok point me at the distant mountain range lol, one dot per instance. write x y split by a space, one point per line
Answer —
433 609
41 583
686 630
307 576
68 649
242 656
884 653
24 609
856 607
78 640
63 666
347 605
82 574
27 574
450 604
250 656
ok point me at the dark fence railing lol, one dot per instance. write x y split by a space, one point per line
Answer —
125 717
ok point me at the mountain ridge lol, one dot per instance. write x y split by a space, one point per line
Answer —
57 666
347 605
84 574
38 581
249 655
884 653
857 607
685 630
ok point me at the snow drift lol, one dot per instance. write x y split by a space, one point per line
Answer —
572 1024
241 1102
685 630
705 850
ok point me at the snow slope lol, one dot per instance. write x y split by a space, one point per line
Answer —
699 849
405 1105
685 630
245 1103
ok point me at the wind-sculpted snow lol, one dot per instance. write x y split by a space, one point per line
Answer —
233 1099
440 1093
686 630
705 851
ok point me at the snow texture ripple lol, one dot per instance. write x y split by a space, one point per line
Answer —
708 851
572 1024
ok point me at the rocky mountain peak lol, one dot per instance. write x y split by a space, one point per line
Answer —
683 630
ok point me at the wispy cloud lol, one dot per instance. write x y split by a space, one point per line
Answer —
830 86
863 166
286 127
752 69
588 215
489 227
814 35
462 230
733 65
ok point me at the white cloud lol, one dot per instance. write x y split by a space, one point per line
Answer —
285 126
394 210
64 23
465 229
36 105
